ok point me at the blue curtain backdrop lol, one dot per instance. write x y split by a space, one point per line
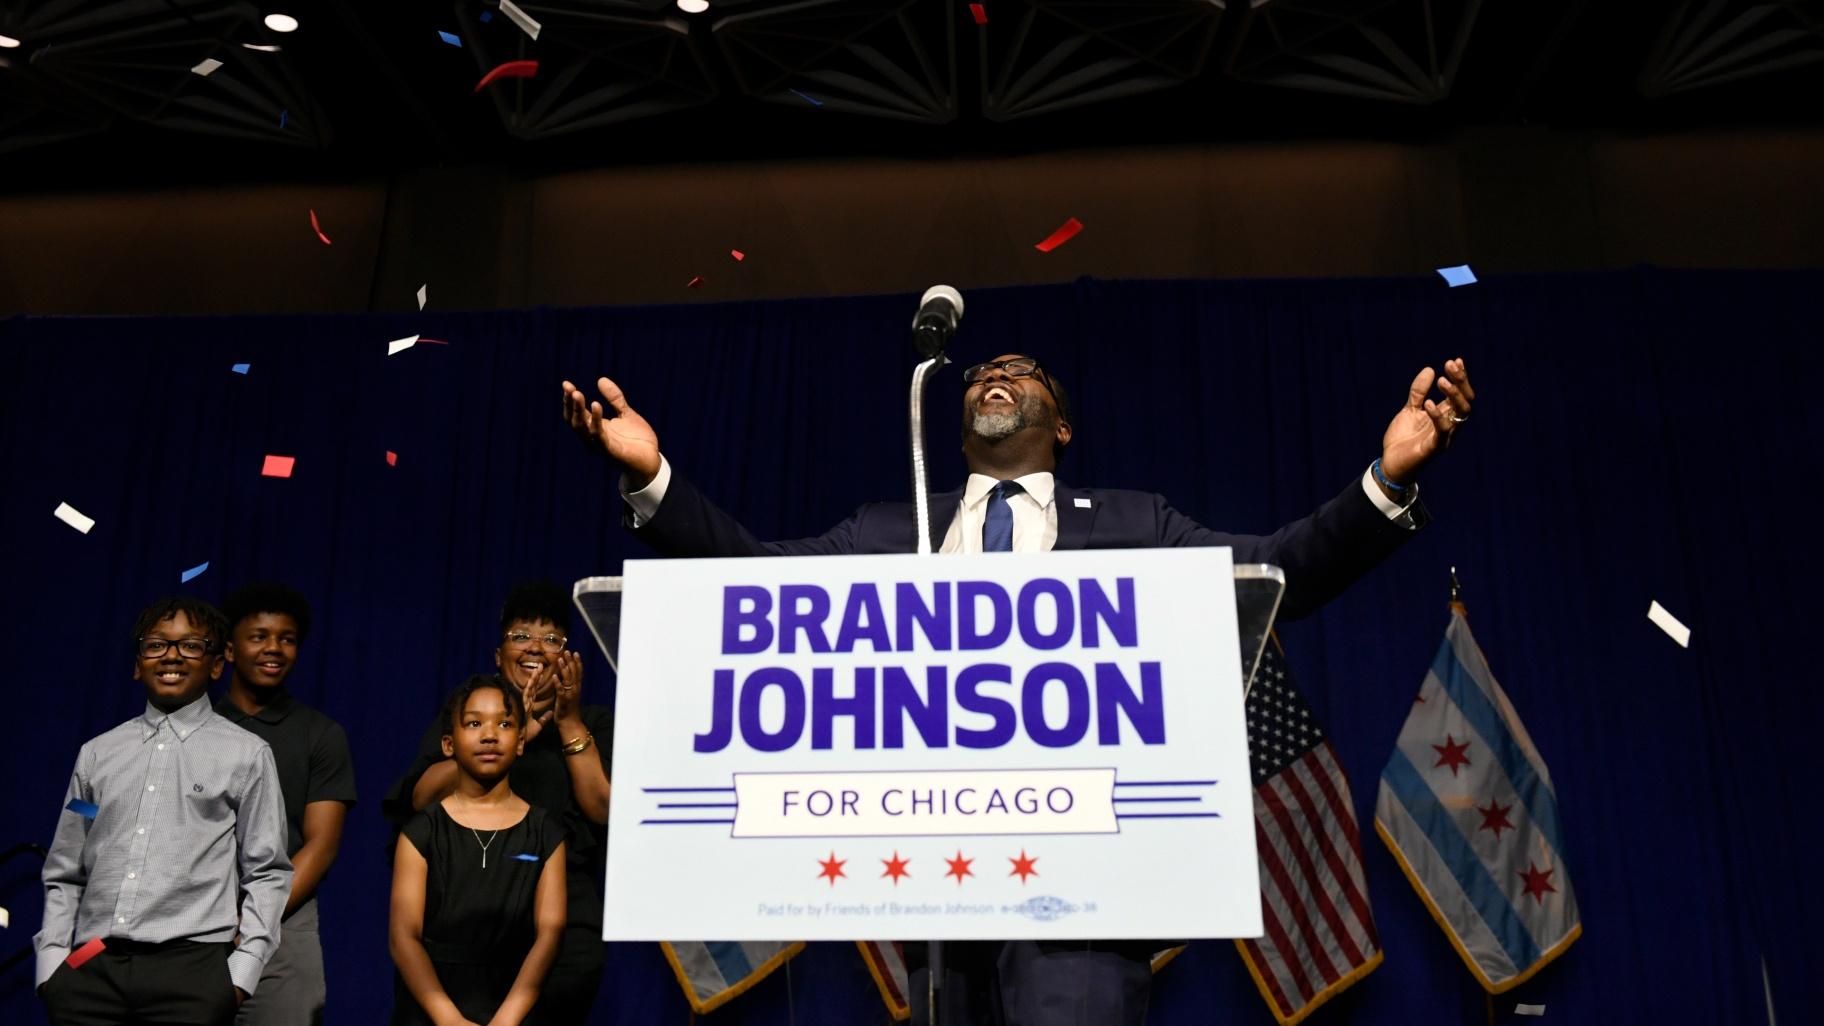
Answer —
1641 435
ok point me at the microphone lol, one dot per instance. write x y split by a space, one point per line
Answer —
936 320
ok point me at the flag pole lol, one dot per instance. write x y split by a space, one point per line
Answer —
1456 594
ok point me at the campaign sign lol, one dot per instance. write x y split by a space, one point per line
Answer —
966 747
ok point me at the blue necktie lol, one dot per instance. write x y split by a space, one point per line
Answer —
997 530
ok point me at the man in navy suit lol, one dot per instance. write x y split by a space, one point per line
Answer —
1016 422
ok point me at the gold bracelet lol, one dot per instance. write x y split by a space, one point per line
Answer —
580 745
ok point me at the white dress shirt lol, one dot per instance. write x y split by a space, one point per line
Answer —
1035 516
1035 511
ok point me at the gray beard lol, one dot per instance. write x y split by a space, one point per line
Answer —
995 427
998 427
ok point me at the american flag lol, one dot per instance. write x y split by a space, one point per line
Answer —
1320 934
887 963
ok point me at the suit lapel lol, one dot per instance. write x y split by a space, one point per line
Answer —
1076 515
943 510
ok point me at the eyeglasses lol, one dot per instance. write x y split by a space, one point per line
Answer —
524 639
1023 367
189 648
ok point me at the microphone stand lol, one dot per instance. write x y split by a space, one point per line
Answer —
921 504
921 498
929 337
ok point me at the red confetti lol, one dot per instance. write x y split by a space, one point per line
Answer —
980 12
1066 231
278 466
511 69
392 458
432 341
694 283
84 953
315 227
737 254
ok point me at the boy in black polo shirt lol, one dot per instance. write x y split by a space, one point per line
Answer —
267 623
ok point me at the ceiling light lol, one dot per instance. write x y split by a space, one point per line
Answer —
8 42
693 6
281 23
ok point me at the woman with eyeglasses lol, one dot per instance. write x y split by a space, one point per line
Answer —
564 770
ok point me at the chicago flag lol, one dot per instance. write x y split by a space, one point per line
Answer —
1467 808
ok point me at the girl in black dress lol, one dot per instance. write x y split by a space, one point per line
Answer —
478 879
564 769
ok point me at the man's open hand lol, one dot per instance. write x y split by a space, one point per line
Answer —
1424 426
618 433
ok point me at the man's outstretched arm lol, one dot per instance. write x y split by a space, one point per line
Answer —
1325 552
691 525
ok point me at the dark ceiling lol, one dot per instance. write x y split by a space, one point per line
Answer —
101 93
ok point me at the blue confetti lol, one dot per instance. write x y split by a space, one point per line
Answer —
487 16
808 99
526 857
1458 275
449 37
283 116
241 368
87 810
194 572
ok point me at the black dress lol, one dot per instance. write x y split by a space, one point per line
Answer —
541 777
478 920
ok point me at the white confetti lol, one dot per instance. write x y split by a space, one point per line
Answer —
1082 503
519 17
1669 623
6 919
1529 1009
68 514
423 294
207 67
400 345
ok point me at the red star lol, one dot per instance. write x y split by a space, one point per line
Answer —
1495 818
832 867
1538 881
896 867
1451 754
1022 867
959 867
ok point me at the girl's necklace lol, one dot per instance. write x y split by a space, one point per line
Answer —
484 847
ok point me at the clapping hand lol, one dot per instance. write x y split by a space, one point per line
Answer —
536 693
557 686
569 675
621 435
1425 426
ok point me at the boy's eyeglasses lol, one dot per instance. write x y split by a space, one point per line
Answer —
189 648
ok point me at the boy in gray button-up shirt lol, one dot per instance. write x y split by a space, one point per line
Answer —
171 846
